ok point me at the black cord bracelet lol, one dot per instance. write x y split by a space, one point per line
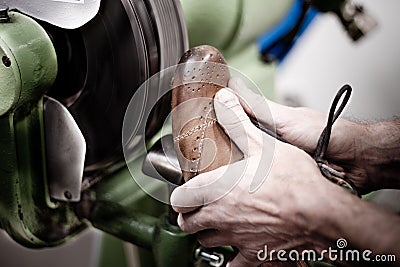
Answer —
323 142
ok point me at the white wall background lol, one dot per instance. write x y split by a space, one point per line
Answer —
325 58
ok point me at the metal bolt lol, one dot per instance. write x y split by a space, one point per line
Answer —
67 195
213 258
4 17
6 61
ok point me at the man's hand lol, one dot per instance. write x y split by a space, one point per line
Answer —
302 128
269 198
276 195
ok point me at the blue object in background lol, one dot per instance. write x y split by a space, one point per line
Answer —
277 42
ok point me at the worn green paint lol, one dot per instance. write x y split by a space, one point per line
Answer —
170 247
33 60
26 211
10 80
122 209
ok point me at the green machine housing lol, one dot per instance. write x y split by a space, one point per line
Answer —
27 212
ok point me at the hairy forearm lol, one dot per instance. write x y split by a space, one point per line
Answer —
364 225
380 153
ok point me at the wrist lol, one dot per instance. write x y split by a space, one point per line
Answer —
363 225
344 140
379 154
328 209
315 209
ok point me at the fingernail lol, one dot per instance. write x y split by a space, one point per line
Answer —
180 220
174 200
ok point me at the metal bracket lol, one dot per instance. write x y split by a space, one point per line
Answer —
161 162
65 152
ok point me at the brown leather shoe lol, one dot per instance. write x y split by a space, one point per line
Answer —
201 144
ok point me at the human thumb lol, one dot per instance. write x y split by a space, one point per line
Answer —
236 123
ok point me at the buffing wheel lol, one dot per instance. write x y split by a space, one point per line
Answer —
103 63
